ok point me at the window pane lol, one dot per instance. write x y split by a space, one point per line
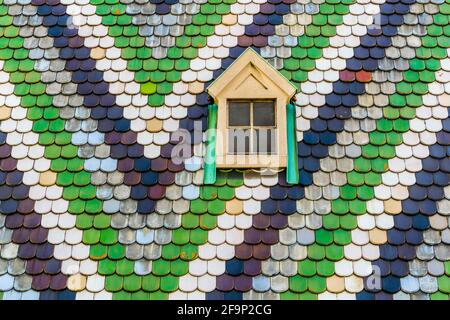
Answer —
239 141
238 114
263 114
264 141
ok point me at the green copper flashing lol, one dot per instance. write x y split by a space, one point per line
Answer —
292 162
210 157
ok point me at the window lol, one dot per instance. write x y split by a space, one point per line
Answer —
250 117
251 127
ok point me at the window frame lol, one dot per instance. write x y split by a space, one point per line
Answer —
275 160
252 77
252 127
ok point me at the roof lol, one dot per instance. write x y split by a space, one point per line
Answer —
93 207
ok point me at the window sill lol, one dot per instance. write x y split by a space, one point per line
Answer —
251 161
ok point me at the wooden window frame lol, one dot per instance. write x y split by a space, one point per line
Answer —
250 77
275 160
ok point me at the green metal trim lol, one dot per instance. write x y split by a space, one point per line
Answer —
292 158
209 175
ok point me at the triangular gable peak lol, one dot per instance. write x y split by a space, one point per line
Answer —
251 76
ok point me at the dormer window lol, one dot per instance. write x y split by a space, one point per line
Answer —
250 115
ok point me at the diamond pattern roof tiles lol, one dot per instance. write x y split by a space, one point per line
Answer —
92 206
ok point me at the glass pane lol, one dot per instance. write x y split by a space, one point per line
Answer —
264 141
264 114
238 114
239 141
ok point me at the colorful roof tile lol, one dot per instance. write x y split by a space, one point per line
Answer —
92 206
